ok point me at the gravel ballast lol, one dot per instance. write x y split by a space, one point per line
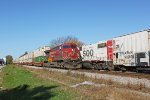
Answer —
119 79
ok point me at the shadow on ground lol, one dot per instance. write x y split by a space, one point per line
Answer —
24 92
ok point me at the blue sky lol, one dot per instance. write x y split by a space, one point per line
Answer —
28 24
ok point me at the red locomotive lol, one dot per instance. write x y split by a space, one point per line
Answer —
64 56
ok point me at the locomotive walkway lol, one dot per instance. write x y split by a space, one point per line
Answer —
119 79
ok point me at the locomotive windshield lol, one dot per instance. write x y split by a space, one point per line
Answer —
69 46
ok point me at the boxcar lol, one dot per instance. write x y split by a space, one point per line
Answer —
132 50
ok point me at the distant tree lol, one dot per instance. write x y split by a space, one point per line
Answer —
9 59
67 39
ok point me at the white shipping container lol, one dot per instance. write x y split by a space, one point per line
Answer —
132 49
30 57
41 51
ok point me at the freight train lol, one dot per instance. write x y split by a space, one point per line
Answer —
63 56
127 52
37 57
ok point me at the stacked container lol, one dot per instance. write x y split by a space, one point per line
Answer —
29 57
39 54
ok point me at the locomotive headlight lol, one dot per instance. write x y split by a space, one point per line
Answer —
72 50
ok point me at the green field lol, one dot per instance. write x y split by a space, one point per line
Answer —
20 84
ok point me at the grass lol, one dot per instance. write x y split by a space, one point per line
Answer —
21 84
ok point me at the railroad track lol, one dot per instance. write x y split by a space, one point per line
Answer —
116 73
119 73
119 77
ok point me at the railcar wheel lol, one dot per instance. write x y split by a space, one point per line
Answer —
95 67
123 69
79 66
